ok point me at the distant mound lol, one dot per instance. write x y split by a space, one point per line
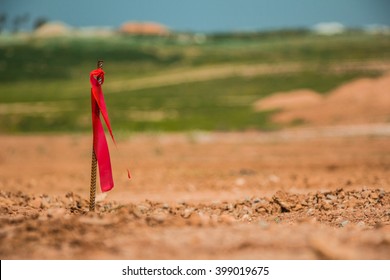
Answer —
289 100
144 28
53 29
361 101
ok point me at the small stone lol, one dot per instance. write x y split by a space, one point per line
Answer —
142 208
310 212
340 206
100 197
298 207
165 206
282 200
361 224
187 213
159 217
195 220
44 203
331 197
352 203
137 213
229 207
344 223
246 217
365 194
247 210
326 206
36 202
374 195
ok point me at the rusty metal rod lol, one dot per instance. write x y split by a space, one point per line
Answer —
92 193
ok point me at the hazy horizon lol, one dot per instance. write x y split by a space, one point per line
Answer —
202 15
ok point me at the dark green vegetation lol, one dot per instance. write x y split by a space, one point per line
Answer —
45 84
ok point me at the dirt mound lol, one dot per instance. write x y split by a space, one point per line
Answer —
296 99
358 102
69 230
53 29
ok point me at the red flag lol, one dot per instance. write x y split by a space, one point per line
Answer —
100 146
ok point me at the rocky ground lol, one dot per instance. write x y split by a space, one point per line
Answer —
283 195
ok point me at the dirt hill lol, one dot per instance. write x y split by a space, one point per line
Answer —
361 101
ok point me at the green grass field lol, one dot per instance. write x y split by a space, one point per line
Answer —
175 83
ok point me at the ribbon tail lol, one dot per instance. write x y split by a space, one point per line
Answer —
101 150
98 95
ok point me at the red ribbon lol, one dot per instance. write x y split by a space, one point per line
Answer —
100 146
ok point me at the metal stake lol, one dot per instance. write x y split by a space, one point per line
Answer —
92 194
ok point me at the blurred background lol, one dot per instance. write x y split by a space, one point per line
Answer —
180 65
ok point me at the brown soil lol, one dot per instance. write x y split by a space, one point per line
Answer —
199 196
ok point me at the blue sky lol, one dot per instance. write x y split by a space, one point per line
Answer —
204 15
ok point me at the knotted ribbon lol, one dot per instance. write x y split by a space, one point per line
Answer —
100 146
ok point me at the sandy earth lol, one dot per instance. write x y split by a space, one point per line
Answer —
198 196
318 192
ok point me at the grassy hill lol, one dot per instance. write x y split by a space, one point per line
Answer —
178 83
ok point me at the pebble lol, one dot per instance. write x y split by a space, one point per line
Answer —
246 217
331 197
142 208
326 206
187 213
45 202
229 207
344 223
374 195
361 224
298 207
36 202
165 206
159 217
137 213
195 220
310 211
